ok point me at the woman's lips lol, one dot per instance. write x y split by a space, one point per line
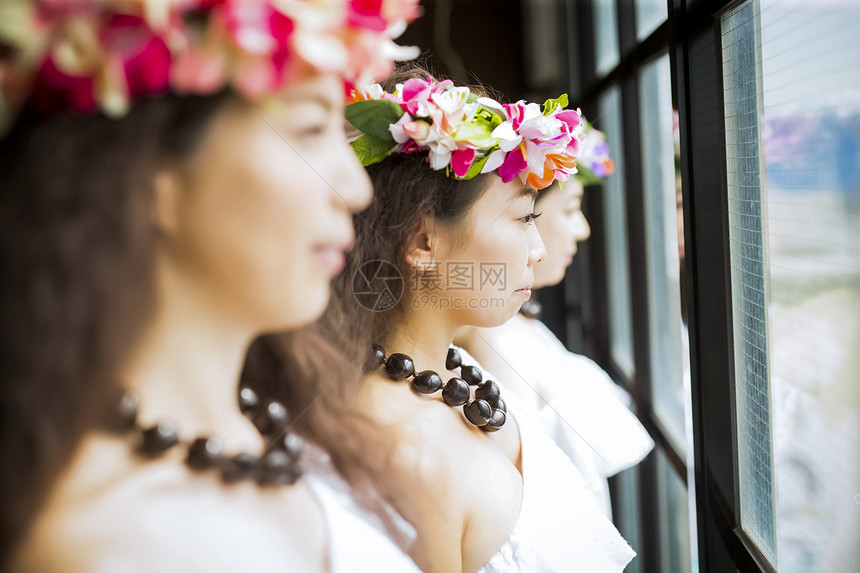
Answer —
525 292
333 256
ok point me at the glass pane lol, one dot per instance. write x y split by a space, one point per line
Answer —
626 508
747 244
606 36
804 184
615 226
649 15
674 518
663 261
669 342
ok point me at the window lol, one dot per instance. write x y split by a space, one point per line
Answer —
649 15
663 261
614 224
675 546
793 142
606 32
750 349
644 345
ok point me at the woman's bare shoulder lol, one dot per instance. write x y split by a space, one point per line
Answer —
158 516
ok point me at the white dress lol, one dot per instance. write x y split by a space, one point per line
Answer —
575 402
358 542
561 527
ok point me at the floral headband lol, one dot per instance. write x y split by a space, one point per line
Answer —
101 54
594 162
467 135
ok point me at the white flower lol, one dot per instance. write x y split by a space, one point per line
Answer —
540 127
508 138
492 104
397 131
452 100
494 161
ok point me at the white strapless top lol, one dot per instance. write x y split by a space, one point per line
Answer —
575 402
358 542
561 527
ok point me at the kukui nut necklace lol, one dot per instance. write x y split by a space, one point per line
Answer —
487 410
279 464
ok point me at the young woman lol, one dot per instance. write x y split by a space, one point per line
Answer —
449 240
575 401
146 238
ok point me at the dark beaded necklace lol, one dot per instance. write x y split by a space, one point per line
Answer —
531 309
487 411
279 464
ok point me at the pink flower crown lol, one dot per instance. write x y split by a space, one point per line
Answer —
594 162
468 135
101 54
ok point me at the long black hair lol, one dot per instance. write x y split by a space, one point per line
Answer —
76 262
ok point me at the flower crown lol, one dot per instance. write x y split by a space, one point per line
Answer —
101 54
594 162
467 135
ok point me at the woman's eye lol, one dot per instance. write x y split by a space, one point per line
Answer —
530 217
312 130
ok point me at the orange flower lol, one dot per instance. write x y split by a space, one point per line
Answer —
560 161
545 181
609 165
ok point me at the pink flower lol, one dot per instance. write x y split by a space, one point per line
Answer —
123 61
400 10
145 56
461 161
571 119
514 163
258 31
199 70
366 14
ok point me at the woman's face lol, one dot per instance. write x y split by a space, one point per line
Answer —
562 225
486 261
262 217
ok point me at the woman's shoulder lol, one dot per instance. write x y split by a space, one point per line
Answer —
461 472
110 511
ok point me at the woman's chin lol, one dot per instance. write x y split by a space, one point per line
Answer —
498 317
548 280
304 311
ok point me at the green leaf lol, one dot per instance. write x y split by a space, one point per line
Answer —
550 104
370 149
478 134
586 176
476 167
373 116
479 131
490 116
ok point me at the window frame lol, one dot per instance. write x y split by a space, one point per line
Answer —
692 38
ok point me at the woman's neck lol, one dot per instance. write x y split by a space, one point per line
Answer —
424 336
186 369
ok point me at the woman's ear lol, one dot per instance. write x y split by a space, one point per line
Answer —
165 201
419 252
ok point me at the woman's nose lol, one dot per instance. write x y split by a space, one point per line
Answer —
537 250
350 182
581 228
